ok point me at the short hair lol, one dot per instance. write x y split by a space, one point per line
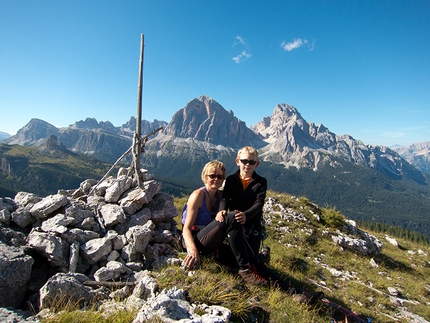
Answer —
248 149
212 166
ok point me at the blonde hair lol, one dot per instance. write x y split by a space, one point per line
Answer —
248 149
212 166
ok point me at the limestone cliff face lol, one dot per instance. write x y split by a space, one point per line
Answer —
205 120
101 144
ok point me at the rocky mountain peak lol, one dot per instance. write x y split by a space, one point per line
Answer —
93 124
287 110
204 119
286 123
207 101
282 115
129 127
89 123
34 131
293 141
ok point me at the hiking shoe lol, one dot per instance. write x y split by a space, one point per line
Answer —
308 297
250 275
299 298
264 255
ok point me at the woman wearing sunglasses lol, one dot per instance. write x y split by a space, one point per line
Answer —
199 211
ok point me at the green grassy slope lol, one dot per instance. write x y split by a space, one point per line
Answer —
302 251
45 172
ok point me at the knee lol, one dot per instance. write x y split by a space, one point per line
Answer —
230 219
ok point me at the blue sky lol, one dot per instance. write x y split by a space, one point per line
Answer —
359 67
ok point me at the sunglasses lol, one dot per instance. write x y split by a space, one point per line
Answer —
213 176
247 161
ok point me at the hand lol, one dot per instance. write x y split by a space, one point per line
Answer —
192 259
240 217
220 216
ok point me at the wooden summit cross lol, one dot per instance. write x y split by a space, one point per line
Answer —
138 141
137 149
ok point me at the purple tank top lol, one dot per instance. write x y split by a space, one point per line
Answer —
204 216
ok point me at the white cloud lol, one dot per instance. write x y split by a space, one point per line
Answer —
296 43
241 57
245 54
240 40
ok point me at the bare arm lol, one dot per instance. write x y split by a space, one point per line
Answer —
194 203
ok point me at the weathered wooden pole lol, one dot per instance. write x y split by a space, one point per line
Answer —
138 142
137 134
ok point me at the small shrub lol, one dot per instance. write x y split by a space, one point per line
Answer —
332 218
303 201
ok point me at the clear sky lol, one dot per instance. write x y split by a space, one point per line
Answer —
359 67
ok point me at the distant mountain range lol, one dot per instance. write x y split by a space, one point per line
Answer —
285 130
101 140
371 183
4 135
417 154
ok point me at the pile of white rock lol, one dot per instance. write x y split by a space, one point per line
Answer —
78 244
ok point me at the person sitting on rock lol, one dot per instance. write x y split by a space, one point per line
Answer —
243 195
204 228
204 231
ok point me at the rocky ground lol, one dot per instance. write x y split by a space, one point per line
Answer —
79 244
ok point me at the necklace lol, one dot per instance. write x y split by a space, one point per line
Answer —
212 203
